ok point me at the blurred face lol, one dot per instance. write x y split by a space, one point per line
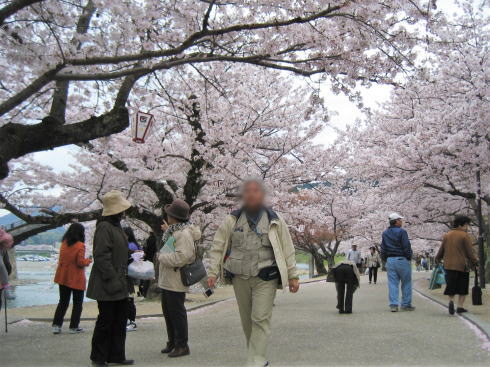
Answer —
5 245
253 196
354 247
399 222
465 227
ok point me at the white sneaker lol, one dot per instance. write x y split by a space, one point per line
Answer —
77 330
56 329
131 326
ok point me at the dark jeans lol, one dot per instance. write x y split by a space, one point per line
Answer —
109 339
131 309
76 312
175 316
373 273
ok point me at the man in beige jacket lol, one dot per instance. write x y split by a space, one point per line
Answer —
253 250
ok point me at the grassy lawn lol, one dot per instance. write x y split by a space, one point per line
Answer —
304 258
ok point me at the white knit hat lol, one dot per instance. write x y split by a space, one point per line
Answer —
114 203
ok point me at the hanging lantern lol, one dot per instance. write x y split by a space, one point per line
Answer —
141 126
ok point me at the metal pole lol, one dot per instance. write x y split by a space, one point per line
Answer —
481 231
5 301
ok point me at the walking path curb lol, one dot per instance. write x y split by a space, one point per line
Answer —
482 325
197 307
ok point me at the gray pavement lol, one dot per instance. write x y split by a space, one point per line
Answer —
307 331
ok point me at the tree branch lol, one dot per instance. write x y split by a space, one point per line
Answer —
14 7
28 91
18 139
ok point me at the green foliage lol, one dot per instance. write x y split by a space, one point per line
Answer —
46 238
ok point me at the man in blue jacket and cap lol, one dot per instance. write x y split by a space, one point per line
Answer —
396 250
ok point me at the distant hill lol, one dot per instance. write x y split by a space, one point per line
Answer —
47 238
7 219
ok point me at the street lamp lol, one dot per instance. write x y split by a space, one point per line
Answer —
141 126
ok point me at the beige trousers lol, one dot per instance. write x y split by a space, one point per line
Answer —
255 298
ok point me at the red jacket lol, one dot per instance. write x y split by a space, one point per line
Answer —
71 263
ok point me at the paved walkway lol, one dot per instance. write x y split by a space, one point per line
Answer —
307 331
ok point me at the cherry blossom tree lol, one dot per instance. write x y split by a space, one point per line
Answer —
219 127
327 216
69 67
429 145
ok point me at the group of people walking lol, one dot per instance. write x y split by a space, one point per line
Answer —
456 252
252 250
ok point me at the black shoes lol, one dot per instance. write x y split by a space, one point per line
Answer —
461 310
180 352
451 307
99 364
170 347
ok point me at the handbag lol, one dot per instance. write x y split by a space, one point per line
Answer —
476 293
192 273
330 276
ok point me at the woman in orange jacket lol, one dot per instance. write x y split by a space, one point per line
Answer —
70 276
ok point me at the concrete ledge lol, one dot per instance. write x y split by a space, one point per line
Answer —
197 307
194 308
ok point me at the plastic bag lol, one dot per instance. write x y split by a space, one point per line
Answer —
143 270
438 278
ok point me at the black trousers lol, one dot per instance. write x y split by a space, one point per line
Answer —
76 312
175 316
373 273
109 339
143 287
345 283
345 294
131 309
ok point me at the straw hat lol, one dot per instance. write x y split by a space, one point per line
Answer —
179 209
114 203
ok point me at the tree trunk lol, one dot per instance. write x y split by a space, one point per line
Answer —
481 233
319 265
487 239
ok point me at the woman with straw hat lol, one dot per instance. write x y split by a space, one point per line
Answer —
107 283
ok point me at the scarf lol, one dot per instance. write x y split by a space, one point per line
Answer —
171 230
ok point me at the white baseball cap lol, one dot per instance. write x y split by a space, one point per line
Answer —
394 216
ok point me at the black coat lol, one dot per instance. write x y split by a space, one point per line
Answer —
107 280
6 261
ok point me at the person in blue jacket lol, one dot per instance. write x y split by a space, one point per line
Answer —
396 250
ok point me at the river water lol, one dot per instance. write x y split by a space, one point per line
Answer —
36 286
